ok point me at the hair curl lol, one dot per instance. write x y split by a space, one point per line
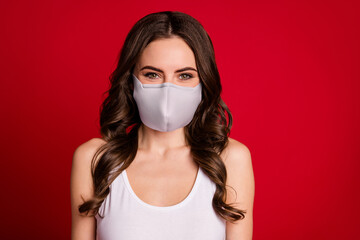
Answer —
207 133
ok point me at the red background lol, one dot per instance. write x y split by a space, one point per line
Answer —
290 75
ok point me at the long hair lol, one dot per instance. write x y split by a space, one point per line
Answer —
207 133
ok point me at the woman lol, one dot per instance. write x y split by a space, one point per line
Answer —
165 167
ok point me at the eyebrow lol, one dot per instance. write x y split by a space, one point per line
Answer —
159 70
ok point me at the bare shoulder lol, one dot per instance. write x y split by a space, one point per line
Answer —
81 166
90 146
240 185
239 168
236 153
85 151
83 155
238 163
81 188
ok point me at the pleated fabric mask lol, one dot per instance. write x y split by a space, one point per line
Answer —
166 106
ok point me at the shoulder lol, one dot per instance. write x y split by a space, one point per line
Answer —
86 150
240 184
81 179
238 163
81 187
236 154
83 155
91 144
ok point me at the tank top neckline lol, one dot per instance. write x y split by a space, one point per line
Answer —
165 208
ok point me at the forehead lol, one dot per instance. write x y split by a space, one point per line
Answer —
167 53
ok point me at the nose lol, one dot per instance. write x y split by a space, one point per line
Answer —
169 78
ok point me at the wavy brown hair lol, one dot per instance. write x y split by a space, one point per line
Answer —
207 133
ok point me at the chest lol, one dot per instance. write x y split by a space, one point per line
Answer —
162 186
129 217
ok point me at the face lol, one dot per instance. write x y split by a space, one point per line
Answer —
167 60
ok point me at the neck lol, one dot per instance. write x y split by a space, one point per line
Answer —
157 142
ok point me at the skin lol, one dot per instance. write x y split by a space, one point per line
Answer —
163 163
168 55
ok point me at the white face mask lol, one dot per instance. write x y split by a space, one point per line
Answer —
166 107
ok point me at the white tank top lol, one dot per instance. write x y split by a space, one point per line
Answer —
127 217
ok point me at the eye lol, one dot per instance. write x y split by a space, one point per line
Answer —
187 76
150 75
